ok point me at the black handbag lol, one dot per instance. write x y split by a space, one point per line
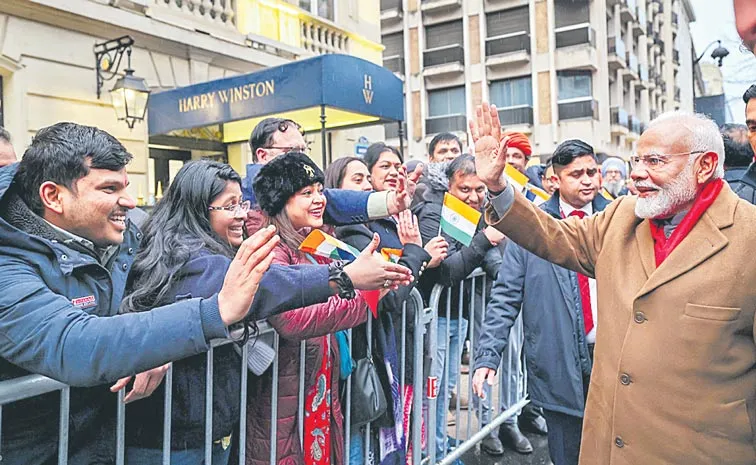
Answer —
367 396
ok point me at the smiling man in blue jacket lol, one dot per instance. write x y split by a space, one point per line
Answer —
67 248
275 136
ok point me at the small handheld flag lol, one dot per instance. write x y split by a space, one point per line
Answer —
321 244
458 219
521 183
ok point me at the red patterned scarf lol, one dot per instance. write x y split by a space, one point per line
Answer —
664 246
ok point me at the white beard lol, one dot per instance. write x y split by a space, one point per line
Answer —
668 199
614 187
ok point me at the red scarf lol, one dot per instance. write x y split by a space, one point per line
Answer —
664 246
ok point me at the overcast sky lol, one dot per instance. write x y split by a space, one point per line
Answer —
715 20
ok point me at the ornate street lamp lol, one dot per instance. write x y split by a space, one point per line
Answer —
130 93
718 54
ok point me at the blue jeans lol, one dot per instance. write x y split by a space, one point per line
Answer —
142 455
457 335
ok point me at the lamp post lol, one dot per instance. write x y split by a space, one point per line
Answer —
718 54
130 93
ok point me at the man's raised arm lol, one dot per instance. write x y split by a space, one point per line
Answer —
572 243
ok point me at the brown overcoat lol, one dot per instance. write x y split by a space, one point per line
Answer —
674 378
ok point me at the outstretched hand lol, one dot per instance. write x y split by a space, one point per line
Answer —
369 271
145 383
490 147
244 274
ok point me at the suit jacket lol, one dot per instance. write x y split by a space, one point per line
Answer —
673 379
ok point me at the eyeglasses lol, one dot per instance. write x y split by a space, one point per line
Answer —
303 149
657 162
235 209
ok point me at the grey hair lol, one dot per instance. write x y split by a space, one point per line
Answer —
703 135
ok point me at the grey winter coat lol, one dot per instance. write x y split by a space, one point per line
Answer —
556 352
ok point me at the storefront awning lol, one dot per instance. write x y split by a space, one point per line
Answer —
348 91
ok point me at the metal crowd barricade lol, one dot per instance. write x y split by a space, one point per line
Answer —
476 286
34 385
419 438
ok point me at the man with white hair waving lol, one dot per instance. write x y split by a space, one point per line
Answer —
674 376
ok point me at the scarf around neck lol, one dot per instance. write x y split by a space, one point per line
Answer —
664 246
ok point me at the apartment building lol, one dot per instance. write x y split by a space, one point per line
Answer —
598 70
48 67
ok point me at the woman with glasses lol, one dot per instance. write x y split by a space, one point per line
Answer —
188 245
290 193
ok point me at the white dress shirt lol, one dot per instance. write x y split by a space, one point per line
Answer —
567 209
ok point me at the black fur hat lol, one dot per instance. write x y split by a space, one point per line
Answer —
282 177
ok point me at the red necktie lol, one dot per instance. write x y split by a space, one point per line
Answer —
585 289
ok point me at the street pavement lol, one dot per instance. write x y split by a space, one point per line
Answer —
540 455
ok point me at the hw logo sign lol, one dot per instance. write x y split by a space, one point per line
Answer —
367 89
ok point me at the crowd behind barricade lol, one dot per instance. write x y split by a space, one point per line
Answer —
98 295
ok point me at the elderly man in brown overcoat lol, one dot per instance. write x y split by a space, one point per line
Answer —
674 378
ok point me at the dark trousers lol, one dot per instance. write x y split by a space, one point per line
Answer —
565 432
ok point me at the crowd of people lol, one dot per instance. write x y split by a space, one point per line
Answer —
612 285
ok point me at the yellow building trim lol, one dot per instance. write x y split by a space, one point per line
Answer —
282 22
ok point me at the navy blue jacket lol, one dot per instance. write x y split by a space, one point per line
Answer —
556 352
51 299
343 206
202 277
743 182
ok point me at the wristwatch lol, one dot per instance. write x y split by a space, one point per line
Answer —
344 285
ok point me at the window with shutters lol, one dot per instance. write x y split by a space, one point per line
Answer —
446 102
575 85
571 12
512 92
505 22
443 35
394 45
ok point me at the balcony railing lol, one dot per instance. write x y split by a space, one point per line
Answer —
500 45
450 123
395 63
444 55
634 124
516 115
649 28
641 15
677 94
617 46
209 13
632 61
675 20
676 57
643 73
578 109
619 116
320 38
575 35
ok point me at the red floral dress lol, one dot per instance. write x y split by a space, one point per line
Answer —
317 421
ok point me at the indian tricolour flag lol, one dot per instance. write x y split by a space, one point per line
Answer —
520 183
458 219
321 244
